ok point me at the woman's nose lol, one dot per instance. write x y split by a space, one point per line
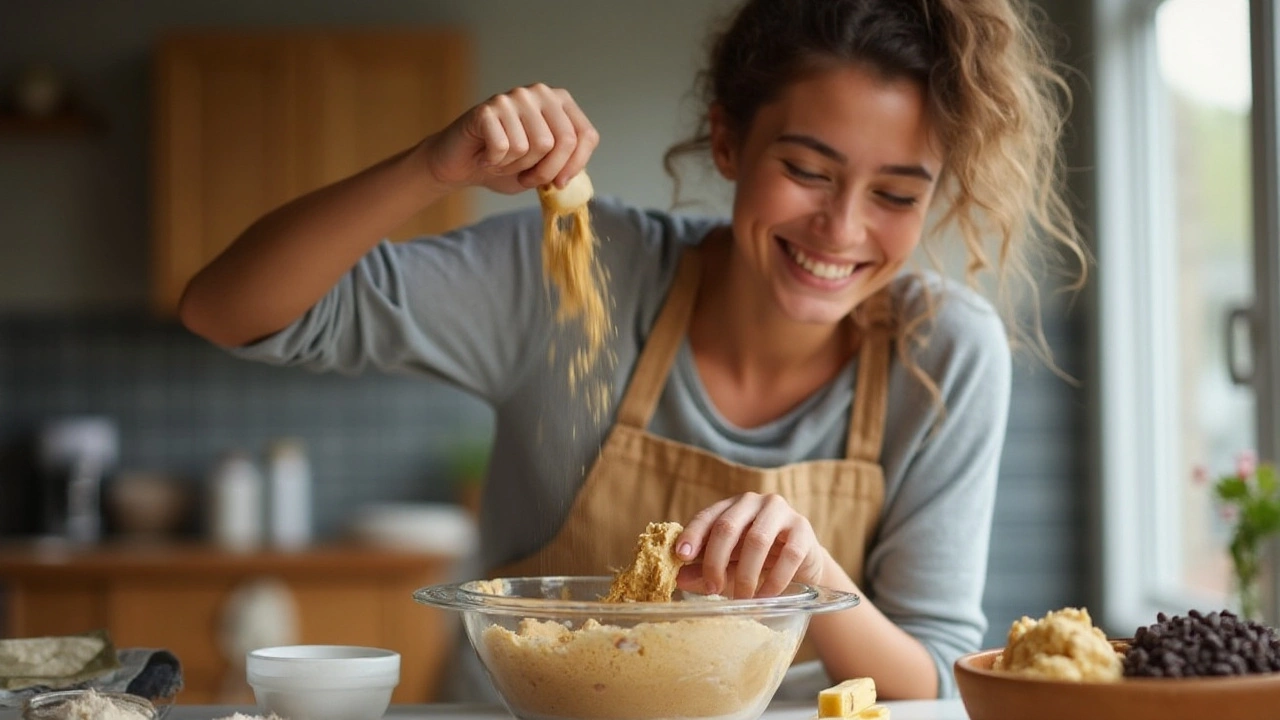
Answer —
845 223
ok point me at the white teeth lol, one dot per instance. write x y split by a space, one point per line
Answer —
826 271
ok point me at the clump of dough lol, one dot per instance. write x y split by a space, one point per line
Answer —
651 576
1063 645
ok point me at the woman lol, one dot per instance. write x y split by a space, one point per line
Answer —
808 409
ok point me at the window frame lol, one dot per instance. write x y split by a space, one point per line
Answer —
1265 315
1136 423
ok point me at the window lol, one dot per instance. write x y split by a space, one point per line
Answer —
1177 261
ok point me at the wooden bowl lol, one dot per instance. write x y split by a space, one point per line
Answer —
993 695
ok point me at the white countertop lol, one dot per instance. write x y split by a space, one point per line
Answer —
913 710
907 710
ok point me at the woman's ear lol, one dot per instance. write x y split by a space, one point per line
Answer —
724 143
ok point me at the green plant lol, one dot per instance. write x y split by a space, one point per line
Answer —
468 460
1250 501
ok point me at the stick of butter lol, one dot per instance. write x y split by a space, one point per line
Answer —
847 698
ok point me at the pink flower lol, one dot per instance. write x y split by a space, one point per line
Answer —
1246 464
1229 513
1199 475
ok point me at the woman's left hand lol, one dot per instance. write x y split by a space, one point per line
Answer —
749 545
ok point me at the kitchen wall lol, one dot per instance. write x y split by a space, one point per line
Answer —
74 220
181 404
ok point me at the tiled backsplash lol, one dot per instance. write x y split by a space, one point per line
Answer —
180 403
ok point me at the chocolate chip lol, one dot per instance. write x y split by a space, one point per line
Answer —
1202 644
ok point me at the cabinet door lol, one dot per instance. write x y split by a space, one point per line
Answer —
224 117
246 122
366 95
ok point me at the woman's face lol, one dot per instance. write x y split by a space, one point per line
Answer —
833 183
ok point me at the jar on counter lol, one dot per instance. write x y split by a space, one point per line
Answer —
289 478
235 503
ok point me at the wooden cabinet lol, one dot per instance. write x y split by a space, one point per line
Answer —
176 597
245 122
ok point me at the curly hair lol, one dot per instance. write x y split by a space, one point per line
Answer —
995 99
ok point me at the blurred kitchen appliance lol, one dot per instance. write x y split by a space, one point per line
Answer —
75 454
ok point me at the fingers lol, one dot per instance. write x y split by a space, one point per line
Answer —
493 137
773 519
540 135
694 541
755 544
716 531
588 141
795 556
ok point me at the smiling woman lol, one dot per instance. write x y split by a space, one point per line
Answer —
773 390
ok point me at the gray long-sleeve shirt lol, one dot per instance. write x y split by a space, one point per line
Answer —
471 308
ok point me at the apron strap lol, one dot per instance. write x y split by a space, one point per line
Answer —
660 347
871 393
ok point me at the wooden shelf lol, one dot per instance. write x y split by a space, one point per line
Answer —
62 125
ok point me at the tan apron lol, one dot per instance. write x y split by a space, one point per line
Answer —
641 478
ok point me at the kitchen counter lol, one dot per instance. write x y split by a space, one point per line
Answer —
180 596
907 710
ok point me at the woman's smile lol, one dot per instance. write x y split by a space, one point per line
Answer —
821 271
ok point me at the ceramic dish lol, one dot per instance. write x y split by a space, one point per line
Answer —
323 682
993 695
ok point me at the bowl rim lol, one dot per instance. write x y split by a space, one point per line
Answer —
349 653
354 663
468 596
965 664
40 702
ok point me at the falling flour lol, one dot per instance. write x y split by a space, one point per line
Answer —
569 263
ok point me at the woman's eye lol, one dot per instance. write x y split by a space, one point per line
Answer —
899 200
801 174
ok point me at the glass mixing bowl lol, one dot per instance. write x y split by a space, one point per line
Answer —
58 704
554 651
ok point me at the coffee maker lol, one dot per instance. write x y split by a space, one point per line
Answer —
75 455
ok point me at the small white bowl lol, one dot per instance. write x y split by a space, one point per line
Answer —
323 682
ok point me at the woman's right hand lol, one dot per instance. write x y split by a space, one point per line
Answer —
514 141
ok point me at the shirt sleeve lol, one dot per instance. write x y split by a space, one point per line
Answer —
468 307
927 567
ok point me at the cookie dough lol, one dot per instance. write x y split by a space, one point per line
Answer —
1063 645
698 668
651 576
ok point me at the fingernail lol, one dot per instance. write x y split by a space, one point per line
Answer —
685 550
